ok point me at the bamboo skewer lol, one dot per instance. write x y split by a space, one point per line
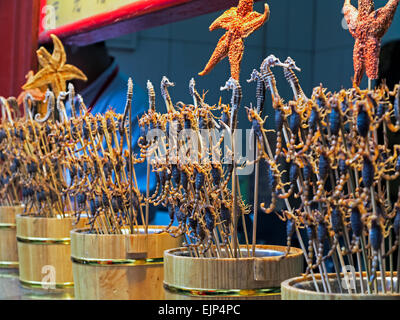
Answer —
147 196
243 220
398 273
255 205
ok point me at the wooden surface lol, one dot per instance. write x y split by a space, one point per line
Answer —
33 258
300 289
8 240
224 274
93 282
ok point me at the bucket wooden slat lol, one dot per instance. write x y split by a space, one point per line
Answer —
301 289
8 239
223 278
44 245
123 267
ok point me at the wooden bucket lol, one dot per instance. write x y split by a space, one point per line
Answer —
8 236
123 267
191 278
303 289
44 251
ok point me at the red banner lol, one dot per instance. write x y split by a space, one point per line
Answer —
18 34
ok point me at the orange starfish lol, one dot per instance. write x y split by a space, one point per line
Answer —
367 27
37 93
55 71
239 22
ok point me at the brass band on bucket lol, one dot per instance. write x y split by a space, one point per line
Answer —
117 262
222 292
43 285
35 240
9 264
8 225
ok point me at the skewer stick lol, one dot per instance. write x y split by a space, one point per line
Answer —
219 252
255 205
214 231
360 272
383 272
354 194
398 272
266 142
366 262
100 139
324 272
346 239
51 171
375 214
345 231
326 286
147 196
391 261
243 220
275 97
130 168
129 107
137 187
119 153
303 248
235 218
386 143
336 265
344 269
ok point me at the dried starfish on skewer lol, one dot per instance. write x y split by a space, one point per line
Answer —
368 26
239 22
55 72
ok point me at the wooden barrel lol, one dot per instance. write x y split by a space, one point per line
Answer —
123 267
44 251
257 277
8 236
301 288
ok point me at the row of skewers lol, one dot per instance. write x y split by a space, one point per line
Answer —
335 145
186 151
341 166
62 165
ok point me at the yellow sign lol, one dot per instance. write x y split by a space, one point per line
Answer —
62 12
